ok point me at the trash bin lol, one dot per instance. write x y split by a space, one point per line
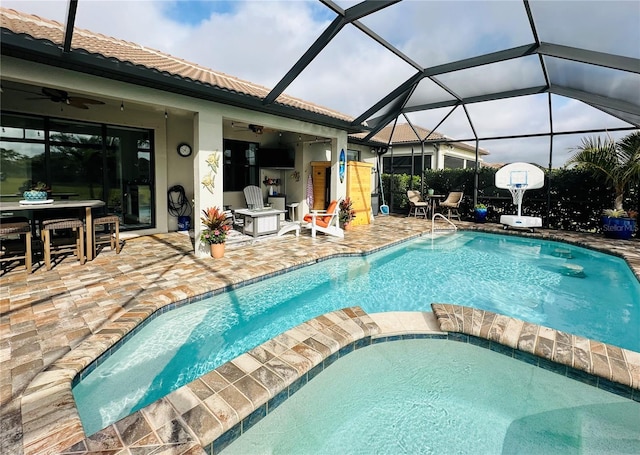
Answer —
184 223
375 203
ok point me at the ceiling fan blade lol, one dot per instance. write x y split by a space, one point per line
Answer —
55 94
79 99
75 103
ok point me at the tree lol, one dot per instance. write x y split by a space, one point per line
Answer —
617 163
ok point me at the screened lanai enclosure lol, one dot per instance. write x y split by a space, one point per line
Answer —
525 80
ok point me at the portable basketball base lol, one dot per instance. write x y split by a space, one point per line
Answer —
518 178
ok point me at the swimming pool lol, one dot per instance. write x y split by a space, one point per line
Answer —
596 297
442 397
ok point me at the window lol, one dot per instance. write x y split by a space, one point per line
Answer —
451 162
353 155
240 166
80 160
402 164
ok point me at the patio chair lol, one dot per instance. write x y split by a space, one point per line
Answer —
452 203
253 196
15 227
417 205
326 221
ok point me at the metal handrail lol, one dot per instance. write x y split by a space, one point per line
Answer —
433 222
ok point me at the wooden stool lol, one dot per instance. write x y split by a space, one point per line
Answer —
113 221
22 228
64 223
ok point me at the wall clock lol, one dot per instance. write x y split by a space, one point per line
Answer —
184 149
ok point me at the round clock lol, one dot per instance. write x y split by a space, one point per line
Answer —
184 149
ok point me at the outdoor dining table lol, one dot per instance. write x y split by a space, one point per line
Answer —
434 198
7 208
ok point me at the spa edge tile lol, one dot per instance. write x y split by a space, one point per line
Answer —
600 366
620 372
183 399
247 363
200 389
202 423
284 370
226 415
236 400
327 341
255 417
261 354
132 428
106 439
257 393
159 413
544 347
313 356
214 381
297 361
174 432
269 379
230 372
318 346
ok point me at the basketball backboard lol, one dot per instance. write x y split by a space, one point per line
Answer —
520 174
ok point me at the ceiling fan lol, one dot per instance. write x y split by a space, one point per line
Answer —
60 96
257 129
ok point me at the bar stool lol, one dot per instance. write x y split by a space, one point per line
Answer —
75 225
9 227
113 223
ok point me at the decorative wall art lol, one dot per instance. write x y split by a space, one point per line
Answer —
208 181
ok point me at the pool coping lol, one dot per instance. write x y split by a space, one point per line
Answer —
47 431
211 412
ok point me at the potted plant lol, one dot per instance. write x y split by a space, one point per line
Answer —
618 165
480 213
37 192
346 213
217 226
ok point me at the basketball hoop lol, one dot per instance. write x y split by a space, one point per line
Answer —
517 191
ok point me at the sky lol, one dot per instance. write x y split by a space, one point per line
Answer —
259 40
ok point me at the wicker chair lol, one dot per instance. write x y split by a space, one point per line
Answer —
11 228
111 225
48 226
452 203
417 205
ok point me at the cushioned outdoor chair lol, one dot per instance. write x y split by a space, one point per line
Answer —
326 221
253 196
452 203
417 205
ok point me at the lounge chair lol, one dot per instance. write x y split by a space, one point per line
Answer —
417 205
253 196
452 203
326 221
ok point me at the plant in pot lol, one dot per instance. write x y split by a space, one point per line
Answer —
346 213
217 226
38 192
480 213
618 165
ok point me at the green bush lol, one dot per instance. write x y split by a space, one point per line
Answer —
571 199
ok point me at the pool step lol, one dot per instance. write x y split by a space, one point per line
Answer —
445 242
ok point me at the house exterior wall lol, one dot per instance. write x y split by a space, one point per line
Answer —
196 122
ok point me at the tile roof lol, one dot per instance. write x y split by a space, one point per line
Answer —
125 51
404 134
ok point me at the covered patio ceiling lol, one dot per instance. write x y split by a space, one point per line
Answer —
526 53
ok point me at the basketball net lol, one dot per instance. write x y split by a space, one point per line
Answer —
517 191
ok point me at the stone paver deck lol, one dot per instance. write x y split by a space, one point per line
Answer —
54 324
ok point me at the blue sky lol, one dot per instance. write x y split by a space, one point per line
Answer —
260 40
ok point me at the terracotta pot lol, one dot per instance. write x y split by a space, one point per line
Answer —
217 250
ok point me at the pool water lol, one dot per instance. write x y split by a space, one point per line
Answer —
557 285
441 397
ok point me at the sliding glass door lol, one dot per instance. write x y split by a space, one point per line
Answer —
79 160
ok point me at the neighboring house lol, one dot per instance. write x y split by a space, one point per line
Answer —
408 151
